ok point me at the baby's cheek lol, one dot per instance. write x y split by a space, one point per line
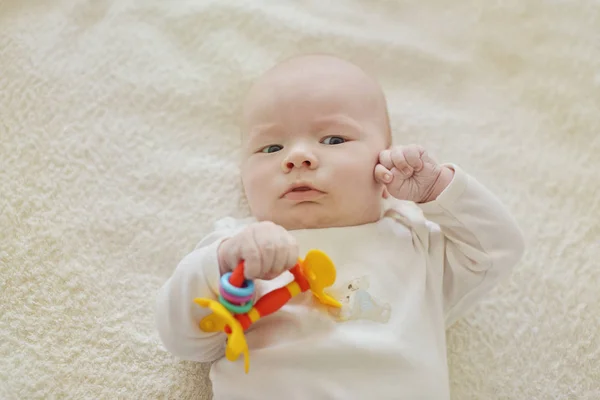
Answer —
256 189
357 165
257 176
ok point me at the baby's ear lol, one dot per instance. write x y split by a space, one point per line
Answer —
385 194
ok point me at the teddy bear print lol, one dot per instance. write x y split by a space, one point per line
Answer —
358 303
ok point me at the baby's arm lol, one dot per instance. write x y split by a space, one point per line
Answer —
477 239
468 231
177 316
267 250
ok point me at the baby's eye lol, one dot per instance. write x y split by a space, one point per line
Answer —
333 140
271 149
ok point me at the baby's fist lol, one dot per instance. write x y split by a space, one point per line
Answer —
266 248
409 173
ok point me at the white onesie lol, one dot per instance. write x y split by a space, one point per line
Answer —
402 281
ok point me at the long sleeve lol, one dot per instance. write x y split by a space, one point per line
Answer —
477 239
177 316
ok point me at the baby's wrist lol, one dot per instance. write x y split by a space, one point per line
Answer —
441 183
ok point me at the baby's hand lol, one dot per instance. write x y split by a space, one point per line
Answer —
267 250
410 174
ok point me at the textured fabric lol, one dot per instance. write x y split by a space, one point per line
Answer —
118 146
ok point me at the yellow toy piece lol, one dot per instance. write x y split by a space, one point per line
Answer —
318 270
236 341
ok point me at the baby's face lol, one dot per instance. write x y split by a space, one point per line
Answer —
313 128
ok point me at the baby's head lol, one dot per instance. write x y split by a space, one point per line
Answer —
313 128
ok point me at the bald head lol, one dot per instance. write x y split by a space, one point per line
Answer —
322 121
325 79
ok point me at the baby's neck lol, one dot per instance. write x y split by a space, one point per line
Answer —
318 223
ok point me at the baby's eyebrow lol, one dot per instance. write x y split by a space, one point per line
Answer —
263 131
339 120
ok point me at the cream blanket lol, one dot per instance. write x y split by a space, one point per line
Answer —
118 143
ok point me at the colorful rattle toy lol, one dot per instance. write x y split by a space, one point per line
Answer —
234 312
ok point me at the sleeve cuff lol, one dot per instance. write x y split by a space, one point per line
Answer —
450 195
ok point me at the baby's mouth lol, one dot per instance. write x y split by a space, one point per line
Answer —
302 189
302 192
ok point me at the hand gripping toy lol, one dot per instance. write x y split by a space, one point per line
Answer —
235 312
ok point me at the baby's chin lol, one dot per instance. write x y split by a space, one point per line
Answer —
314 216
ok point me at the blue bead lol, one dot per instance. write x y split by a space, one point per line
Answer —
246 290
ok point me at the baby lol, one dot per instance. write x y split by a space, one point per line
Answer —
415 244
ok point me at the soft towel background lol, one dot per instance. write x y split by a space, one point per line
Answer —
118 146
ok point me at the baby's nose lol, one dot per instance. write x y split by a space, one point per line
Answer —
300 159
292 164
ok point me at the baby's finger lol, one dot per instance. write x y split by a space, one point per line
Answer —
231 257
400 162
281 257
292 251
385 158
267 247
413 154
383 175
286 255
252 260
